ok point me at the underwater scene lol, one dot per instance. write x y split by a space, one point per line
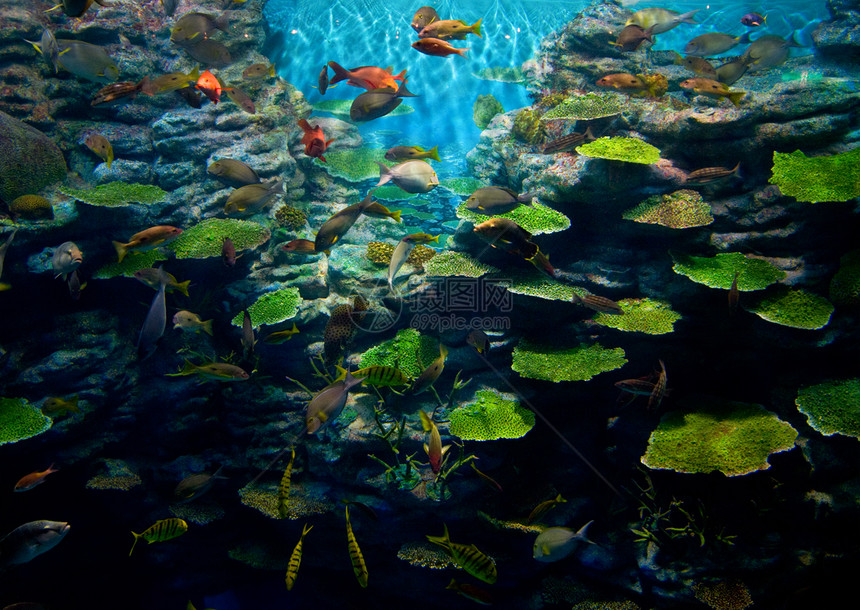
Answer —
530 304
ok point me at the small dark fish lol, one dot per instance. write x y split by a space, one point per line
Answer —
328 403
659 390
479 340
191 96
492 200
228 252
598 303
248 339
428 376
232 172
543 508
337 226
753 20
423 17
169 6
155 322
195 485
540 261
470 591
241 99
734 295
637 387
118 92
707 175
323 80
568 142
731 71
210 52
695 64
376 103
261 70
75 285
632 36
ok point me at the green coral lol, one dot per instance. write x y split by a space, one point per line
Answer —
817 179
353 164
527 127
719 271
832 407
340 109
116 475
134 261
492 416
501 74
380 252
641 316
409 351
555 364
452 263
206 239
272 308
845 285
461 186
485 108
794 308
116 194
540 286
629 150
390 192
734 438
290 218
20 420
536 218
587 107
678 210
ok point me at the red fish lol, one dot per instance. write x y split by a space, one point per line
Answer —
439 48
209 84
367 77
29 481
314 140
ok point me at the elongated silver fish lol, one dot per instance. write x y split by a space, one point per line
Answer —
155 322
402 251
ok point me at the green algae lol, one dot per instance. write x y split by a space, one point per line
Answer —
730 437
272 308
451 263
832 407
409 351
719 271
551 363
206 238
817 179
540 286
537 218
648 316
491 417
133 261
793 308
390 192
19 420
116 194
628 150
682 209
587 107
354 164
845 285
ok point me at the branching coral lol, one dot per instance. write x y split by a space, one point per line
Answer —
492 416
679 210
629 150
641 316
409 351
116 194
719 271
731 437
206 239
555 364
353 164
832 407
20 420
452 263
273 307
290 218
794 308
817 179
537 218
587 107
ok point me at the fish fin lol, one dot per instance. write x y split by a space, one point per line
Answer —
462 52
436 239
134 544
426 423
272 75
688 17
395 216
36 45
121 250
341 373
581 534
476 28
433 153
384 174
443 351
53 8
183 288
222 22
735 97
401 76
340 73
207 325
389 69
744 39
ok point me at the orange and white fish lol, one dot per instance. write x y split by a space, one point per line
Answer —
29 481
314 140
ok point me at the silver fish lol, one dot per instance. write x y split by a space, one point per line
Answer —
328 403
401 253
67 257
556 543
30 540
412 176
49 49
155 322
87 61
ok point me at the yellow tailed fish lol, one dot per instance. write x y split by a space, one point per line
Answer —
296 557
164 529
429 375
544 507
284 490
468 557
358 565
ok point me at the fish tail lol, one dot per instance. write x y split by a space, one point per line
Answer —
183 288
688 17
271 70
395 216
402 91
306 127
134 544
194 75
444 540
735 97
462 52
745 39
384 174
36 45
121 250
340 73
222 22
109 157
207 325
476 28
433 153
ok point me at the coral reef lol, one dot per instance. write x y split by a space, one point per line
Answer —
272 307
32 207
353 165
197 512
587 107
206 239
731 437
424 555
832 407
540 286
117 475
485 108
264 499
723 595
845 285
719 271
794 308
31 160
380 252
528 127
817 179
409 351
290 218
556 364
492 416
451 263
677 210
20 420
628 150
648 316
116 194
536 218
131 263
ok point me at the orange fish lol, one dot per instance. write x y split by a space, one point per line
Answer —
29 481
314 140
209 84
368 77
439 48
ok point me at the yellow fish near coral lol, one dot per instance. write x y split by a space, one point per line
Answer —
468 557
101 146
164 529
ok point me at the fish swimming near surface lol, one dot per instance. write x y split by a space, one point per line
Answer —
597 303
753 20
248 338
556 543
491 200
713 89
193 27
154 324
30 540
769 51
66 258
632 36
296 559
403 250
333 229
191 323
160 531
328 403
241 99
152 277
661 20
376 103
709 175
468 557
259 71
300 246
450 29
284 488
412 176
429 375
659 391
437 48
695 64
228 252
404 153
101 146
314 140
195 485
433 447
568 142
714 43
88 61
232 172
358 565
470 591
252 198
423 17
54 405
216 371
367 77
171 82
28 482
543 508
278 337
148 239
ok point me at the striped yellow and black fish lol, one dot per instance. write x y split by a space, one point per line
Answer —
382 376
707 175
284 488
164 529
358 565
468 557
296 557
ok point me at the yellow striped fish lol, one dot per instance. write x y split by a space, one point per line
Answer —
164 529
468 557
296 559
284 488
358 565
378 375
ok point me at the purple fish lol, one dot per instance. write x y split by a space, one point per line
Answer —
753 20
